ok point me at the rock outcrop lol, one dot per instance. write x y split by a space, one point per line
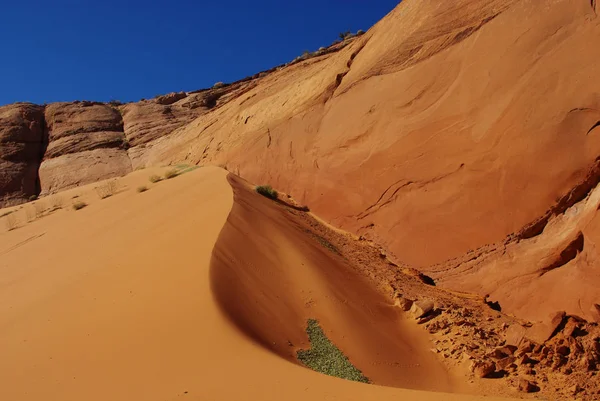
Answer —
462 138
86 143
21 149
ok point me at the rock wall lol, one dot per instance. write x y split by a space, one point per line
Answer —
86 143
21 149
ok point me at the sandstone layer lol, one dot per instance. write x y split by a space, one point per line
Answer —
462 137
21 147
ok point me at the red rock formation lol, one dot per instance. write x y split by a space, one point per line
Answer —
86 144
21 148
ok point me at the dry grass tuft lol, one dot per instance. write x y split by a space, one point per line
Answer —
154 179
106 190
11 222
171 174
79 205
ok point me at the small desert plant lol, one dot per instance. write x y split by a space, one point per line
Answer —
218 85
39 209
360 32
171 174
154 179
267 191
142 189
106 190
79 205
33 198
30 213
56 203
344 35
10 221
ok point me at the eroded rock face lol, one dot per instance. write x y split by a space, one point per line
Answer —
148 120
86 143
170 98
21 148
81 126
74 169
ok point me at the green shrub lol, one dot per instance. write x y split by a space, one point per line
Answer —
171 174
360 32
142 189
79 205
267 191
324 357
154 179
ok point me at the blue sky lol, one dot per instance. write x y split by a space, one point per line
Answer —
127 50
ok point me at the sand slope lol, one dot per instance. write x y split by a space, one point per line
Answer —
113 302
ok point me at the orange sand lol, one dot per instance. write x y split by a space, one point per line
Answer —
113 302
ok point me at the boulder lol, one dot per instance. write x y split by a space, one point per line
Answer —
542 332
571 327
514 335
503 364
403 303
421 308
170 98
483 368
526 386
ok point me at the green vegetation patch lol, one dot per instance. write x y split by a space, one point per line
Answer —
267 191
327 244
324 357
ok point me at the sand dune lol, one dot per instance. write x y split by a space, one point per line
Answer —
114 302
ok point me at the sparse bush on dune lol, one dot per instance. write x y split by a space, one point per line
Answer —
142 189
79 205
360 32
107 189
267 191
39 208
154 179
171 174
30 213
218 85
10 221
56 202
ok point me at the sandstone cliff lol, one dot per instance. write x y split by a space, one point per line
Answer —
455 134
21 148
